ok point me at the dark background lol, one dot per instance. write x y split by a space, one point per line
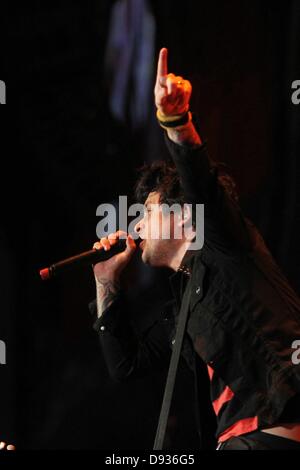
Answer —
63 152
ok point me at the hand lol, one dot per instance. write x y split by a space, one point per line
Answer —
112 268
4 446
172 93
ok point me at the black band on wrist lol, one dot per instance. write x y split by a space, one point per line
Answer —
181 121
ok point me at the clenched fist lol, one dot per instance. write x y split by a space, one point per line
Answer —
112 268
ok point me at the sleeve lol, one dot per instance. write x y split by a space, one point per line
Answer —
225 228
128 354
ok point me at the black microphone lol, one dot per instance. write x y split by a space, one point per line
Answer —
82 259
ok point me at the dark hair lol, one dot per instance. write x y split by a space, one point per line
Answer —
162 177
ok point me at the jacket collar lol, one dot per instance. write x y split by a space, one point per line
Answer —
178 280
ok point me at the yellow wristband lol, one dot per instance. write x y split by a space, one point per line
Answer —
165 118
174 122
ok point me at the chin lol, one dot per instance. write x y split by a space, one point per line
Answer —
152 261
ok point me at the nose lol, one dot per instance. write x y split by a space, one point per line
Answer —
138 226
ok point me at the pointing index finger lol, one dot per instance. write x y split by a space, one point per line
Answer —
162 66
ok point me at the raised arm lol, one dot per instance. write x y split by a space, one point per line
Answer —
172 99
225 227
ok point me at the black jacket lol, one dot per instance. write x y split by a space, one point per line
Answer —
243 318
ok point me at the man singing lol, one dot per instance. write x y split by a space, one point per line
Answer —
243 315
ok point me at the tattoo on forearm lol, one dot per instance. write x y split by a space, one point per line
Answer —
107 292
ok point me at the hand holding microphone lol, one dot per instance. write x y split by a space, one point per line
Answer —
107 273
112 268
112 253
